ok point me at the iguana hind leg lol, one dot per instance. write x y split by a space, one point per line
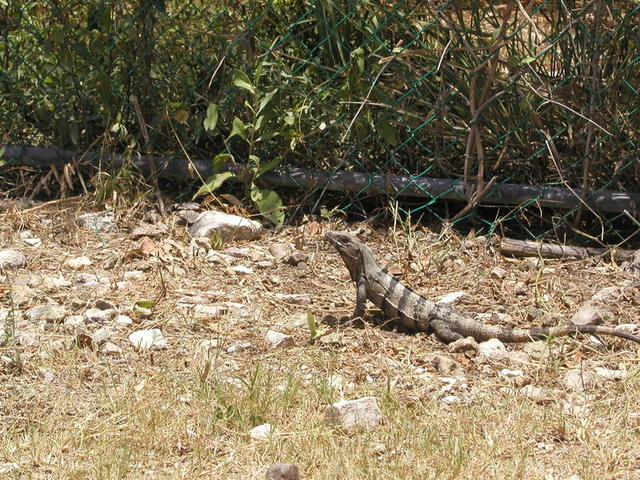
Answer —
443 332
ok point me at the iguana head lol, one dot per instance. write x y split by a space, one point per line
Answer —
349 248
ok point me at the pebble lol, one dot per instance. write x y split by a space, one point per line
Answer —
262 432
151 339
78 262
278 339
12 260
354 415
283 471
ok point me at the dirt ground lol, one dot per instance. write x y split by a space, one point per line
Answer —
71 407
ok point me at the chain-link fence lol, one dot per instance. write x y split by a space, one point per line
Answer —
486 98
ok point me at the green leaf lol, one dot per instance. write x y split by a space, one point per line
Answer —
259 122
220 161
265 101
269 204
238 128
240 79
387 132
527 60
145 304
358 56
213 183
212 117
265 167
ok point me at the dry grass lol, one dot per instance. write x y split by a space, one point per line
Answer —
162 415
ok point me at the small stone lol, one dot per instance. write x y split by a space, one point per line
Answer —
443 364
242 270
492 348
123 320
354 415
295 298
12 260
78 262
263 264
262 432
611 374
463 345
454 298
50 313
8 467
279 250
296 257
505 372
450 400
607 295
109 348
578 380
97 315
32 242
296 320
105 305
239 347
92 279
587 315
151 339
134 276
537 394
520 288
283 471
47 375
499 273
98 222
278 339
55 283
101 335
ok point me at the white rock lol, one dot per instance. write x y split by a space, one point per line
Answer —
295 298
32 242
498 272
587 315
227 226
280 250
239 347
505 372
262 432
78 262
354 415
8 467
109 348
454 298
537 394
611 374
607 295
101 335
12 260
210 310
463 345
55 283
450 400
123 320
492 348
98 315
242 270
278 339
151 339
579 380
134 276
99 221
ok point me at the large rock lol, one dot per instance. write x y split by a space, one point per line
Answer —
229 227
11 260
354 415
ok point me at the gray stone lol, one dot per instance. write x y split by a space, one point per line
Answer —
297 257
443 364
283 471
520 288
100 221
50 313
12 260
354 415
229 227
109 348
105 305
492 348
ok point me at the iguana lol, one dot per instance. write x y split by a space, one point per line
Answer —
416 313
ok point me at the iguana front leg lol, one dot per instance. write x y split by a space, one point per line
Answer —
361 298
